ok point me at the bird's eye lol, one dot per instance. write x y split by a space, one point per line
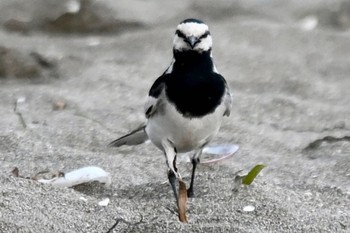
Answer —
180 34
207 33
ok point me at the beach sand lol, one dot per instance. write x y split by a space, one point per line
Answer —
290 80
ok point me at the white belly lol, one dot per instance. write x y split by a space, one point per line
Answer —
186 134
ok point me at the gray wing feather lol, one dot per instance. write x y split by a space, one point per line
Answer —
228 102
150 106
155 96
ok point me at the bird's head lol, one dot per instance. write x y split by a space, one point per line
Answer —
192 35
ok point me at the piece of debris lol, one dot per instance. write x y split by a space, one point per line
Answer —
93 42
73 178
341 17
43 61
118 220
83 199
14 63
249 178
59 105
182 202
88 16
246 179
68 16
19 101
221 152
248 208
327 139
17 25
308 23
104 202
15 172
24 64
237 182
73 6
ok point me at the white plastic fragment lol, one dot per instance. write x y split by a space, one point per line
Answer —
21 99
104 202
93 42
83 199
222 151
309 194
73 6
309 23
80 176
248 208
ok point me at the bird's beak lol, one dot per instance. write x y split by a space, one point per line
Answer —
192 41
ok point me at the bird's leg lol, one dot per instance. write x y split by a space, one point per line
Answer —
195 161
172 181
173 175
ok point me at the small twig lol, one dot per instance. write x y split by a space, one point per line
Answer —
330 139
118 220
182 200
19 114
91 119
170 210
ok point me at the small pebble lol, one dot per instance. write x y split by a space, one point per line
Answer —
309 23
93 42
104 202
248 208
21 99
59 105
73 6
308 194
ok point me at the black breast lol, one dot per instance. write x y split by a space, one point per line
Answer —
193 87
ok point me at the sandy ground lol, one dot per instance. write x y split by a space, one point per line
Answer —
291 112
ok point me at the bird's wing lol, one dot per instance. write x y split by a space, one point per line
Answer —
139 135
227 98
154 94
227 102
135 137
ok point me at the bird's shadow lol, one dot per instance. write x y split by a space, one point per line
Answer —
148 191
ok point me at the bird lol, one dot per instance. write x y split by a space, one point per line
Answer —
186 104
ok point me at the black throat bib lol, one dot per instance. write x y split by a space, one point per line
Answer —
192 86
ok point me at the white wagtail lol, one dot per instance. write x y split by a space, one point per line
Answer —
186 103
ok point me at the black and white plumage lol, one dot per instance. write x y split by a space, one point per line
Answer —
186 103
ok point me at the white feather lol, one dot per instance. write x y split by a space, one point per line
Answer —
79 176
193 29
185 133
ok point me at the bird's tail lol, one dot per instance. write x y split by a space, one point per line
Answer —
135 137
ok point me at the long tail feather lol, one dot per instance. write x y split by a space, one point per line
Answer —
135 137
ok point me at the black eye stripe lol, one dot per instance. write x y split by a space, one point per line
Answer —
180 34
207 33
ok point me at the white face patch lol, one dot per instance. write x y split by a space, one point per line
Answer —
196 30
193 29
205 44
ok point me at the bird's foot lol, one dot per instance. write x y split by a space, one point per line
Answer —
190 193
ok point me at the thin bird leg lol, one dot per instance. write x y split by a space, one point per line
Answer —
172 181
195 161
173 175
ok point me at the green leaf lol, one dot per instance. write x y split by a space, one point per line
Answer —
249 178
